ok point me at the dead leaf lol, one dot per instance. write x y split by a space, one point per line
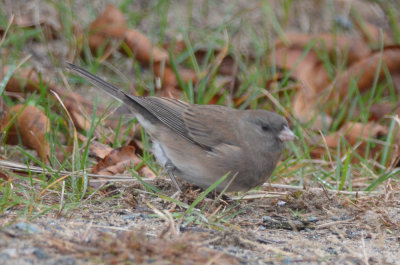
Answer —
372 34
32 125
226 64
4 176
171 92
116 161
358 134
354 48
379 110
96 149
143 49
356 131
146 172
365 71
110 24
50 26
23 80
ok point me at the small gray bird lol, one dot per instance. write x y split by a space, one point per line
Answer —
202 143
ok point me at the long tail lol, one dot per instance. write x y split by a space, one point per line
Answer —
100 83
139 105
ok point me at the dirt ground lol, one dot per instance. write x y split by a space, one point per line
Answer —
302 227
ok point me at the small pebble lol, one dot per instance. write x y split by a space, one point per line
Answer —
344 22
27 227
281 203
129 217
312 219
40 253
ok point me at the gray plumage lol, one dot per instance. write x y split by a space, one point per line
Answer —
201 143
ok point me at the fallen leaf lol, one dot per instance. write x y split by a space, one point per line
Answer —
96 149
146 172
23 80
379 110
143 49
50 26
365 71
116 161
171 92
358 134
355 132
372 34
355 48
32 125
110 24
226 64
4 176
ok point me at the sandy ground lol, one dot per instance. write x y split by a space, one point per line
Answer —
307 227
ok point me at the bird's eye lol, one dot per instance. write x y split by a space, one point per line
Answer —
265 127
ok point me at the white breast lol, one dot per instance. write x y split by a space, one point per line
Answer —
159 153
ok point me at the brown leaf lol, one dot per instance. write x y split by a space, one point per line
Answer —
116 161
27 80
50 26
32 125
176 46
310 72
314 80
4 175
80 122
355 48
22 80
110 24
168 76
372 33
143 49
365 71
379 110
355 132
171 92
96 149
357 135
146 172
226 65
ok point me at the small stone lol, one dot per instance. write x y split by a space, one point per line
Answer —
312 219
40 253
129 217
281 203
344 22
27 227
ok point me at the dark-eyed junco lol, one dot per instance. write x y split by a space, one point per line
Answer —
202 143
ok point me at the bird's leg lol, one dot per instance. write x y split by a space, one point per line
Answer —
170 170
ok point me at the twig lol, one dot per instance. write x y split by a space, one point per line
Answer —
355 193
333 224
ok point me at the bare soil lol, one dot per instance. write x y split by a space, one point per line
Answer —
303 227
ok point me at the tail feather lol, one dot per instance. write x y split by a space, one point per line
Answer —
97 81
137 104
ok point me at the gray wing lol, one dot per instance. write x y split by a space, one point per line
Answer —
210 125
206 125
168 111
